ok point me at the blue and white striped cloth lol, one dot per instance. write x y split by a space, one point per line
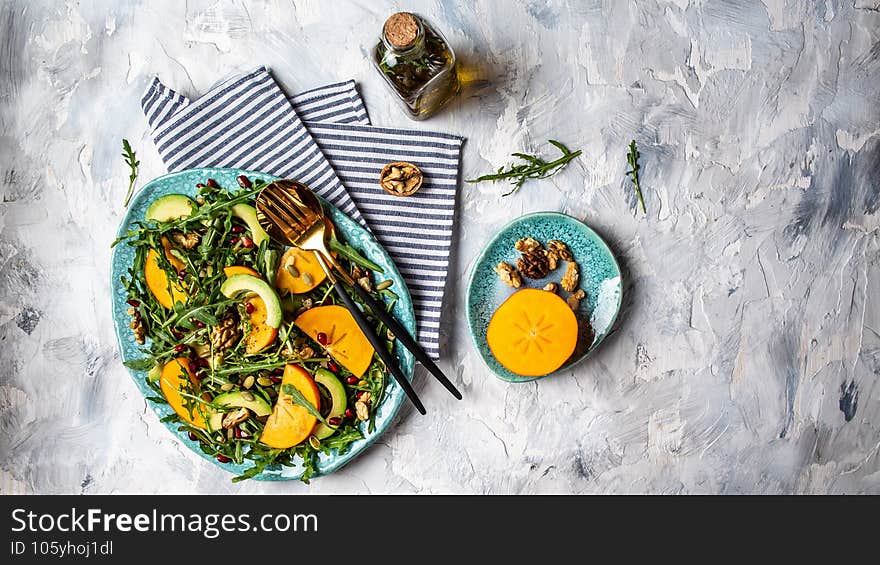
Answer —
324 139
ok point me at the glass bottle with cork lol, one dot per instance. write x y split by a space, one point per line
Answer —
417 63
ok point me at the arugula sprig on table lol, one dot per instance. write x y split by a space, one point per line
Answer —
632 158
532 167
133 163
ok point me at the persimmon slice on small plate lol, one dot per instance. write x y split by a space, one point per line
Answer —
516 329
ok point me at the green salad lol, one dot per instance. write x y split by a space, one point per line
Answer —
243 337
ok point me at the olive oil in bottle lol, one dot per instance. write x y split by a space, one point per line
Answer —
417 63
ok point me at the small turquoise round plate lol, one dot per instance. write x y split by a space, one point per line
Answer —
184 183
599 278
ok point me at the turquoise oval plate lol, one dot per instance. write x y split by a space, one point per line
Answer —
184 183
600 279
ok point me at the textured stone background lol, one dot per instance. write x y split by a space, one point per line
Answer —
748 352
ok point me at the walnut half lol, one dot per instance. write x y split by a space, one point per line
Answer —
571 277
185 240
574 301
561 249
226 334
526 244
508 275
234 418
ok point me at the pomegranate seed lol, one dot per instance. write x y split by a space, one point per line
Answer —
279 371
237 433
351 380
201 375
249 307
243 181
193 436
223 459
200 324
237 229
349 413
247 242
275 380
133 303
334 421
359 394
334 368
180 348
233 240
176 334
213 184
200 362
322 338
200 185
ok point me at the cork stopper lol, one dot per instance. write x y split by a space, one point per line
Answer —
401 30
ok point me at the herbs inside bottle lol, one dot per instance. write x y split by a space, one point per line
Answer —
417 63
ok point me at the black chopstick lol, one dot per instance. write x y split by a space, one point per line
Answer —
387 357
403 336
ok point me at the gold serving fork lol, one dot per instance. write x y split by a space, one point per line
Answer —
291 214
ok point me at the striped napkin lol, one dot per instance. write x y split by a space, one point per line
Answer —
324 139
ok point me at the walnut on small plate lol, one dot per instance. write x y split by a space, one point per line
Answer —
508 275
571 277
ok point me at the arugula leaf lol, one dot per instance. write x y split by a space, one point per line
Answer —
632 159
144 364
133 163
342 439
533 167
299 399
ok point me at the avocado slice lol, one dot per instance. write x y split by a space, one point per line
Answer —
338 401
237 399
237 284
170 207
248 215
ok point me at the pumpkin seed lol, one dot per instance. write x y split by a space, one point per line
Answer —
247 396
249 382
384 284
314 442
227 387
263 381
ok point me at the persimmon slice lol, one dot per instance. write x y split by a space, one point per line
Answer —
261 334
532 333
240 270
345 341
308 271
157 279
290 423
177 376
